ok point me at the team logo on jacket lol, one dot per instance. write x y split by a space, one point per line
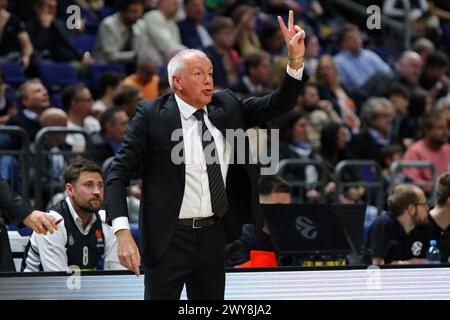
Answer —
416 248
99 236
71 240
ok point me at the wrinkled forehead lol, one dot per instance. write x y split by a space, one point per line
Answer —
195 61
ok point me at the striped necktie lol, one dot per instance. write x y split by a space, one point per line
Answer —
219 201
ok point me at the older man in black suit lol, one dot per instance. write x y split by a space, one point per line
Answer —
191 208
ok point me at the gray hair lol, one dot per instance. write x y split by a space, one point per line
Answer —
372 107
177 64
22 92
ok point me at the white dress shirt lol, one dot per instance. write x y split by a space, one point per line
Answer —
197 198
51 249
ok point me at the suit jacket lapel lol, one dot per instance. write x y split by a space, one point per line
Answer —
171 115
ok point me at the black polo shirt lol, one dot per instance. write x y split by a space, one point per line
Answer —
442 237
387 239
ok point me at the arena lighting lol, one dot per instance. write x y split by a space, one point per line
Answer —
405 283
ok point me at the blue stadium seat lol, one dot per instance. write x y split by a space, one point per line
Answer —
56 75
84 42
57 101
106 11
13 74
10 94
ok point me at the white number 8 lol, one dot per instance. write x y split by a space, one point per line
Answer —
85 256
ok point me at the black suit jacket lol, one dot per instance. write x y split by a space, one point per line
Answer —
148 142
15 210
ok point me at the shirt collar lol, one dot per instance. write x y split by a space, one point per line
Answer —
30 114
186 109
77 219
379 139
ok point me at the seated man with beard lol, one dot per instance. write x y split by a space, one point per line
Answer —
397 237
83 239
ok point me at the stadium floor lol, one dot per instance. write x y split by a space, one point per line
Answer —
418 282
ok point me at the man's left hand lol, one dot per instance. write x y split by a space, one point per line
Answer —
294 36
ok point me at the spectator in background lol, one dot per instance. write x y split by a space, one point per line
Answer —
127 99
330 89
443 105
434 76
77 100
108 85
398 95
320 112
105 143
390 154
256 77
272 40
247 40
272 190
432 147
122 35
391 237
333 149
312 51
377 115
294 144
355 64
7 108
145 78
83 238
419 104
423 47
439 219
193 33
15 43
161 27
50 37
34 100
54 162
407 73
224 58
395 9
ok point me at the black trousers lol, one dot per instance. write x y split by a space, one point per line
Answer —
195 257
6 260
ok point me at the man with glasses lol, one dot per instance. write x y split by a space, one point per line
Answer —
77 100
377 115
397 237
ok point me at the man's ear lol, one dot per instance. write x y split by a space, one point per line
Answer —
411 209
176 82
69 189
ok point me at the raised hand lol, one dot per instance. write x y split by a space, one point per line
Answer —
294 36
